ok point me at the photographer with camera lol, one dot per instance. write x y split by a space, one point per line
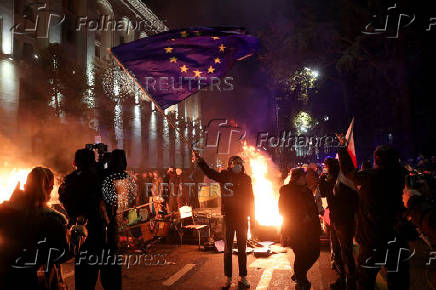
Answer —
81 196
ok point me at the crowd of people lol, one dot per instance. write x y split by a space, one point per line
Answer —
381 207
176 187
94 200
36 239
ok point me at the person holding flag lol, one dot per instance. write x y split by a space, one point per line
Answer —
342 198
237 206
379 216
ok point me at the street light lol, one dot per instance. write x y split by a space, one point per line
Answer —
313 73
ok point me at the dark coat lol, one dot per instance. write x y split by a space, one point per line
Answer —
380 200
236 192
29 239
300 214
80 195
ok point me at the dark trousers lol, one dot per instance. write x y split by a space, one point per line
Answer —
86 272
306 253
240 226
335 249
346 267
393 256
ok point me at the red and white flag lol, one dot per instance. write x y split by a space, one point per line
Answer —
350 141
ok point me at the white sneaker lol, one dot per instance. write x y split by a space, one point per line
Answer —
244 282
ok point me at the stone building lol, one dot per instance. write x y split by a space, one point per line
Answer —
85 29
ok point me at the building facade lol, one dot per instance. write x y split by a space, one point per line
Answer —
85 29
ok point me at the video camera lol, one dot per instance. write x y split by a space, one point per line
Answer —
102 156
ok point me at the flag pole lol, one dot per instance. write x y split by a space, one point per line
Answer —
152 100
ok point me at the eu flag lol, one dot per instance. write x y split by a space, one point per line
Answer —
173 65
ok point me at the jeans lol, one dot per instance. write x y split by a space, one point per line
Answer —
240 226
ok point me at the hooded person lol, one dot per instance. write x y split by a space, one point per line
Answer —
301 227
237 205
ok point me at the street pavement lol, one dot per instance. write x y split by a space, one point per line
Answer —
187 267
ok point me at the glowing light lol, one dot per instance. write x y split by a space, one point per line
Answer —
265 191
303 122
35 56
119 189
313 73
303 82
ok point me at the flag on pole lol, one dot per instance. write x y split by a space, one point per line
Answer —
173 65
350 141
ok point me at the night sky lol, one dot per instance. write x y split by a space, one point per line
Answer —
251 102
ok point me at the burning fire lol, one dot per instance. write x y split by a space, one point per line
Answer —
266 194
9 179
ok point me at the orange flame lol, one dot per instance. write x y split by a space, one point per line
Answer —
266 193
9 179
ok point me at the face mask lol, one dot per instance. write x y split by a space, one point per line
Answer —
237 168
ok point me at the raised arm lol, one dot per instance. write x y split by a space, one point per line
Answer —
346 164
210 173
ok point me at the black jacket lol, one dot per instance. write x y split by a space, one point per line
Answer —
380 200
31 238
300 214
80 195
236 191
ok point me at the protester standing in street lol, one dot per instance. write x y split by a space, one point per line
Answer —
301 228
379 217
237 205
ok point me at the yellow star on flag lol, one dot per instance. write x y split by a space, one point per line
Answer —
168 49
222 47
183 68
210 69
197 73
217 60
173 59
184 33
